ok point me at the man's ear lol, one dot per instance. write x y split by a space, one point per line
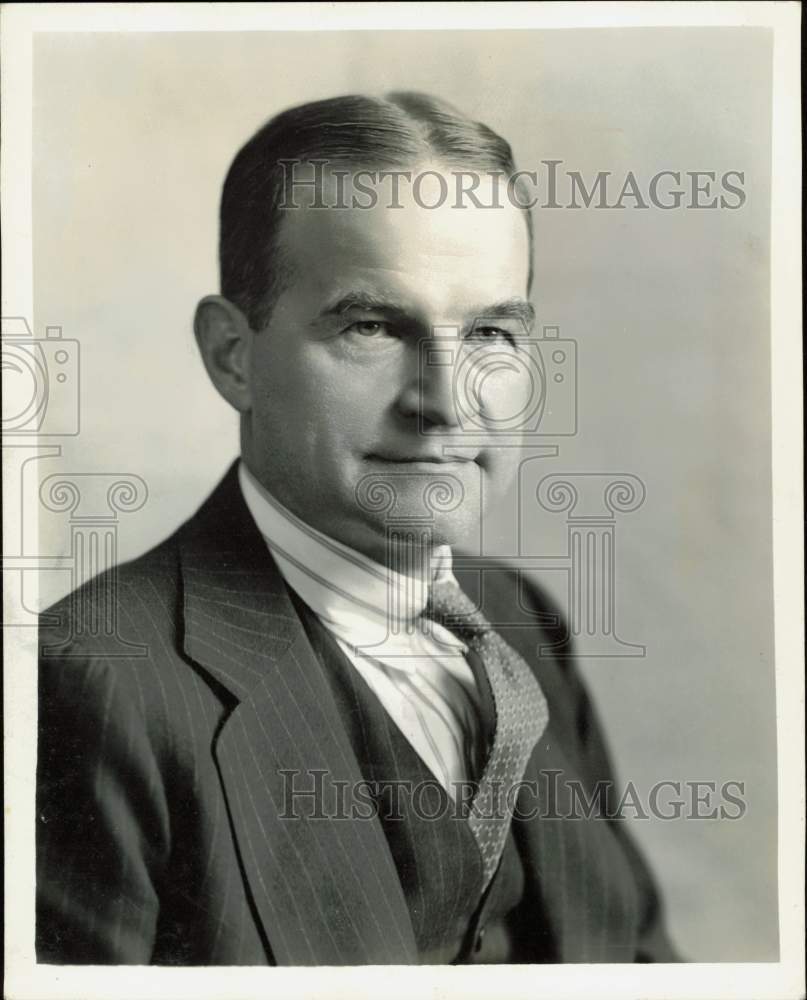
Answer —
225 342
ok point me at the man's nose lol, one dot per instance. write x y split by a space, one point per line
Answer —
431 394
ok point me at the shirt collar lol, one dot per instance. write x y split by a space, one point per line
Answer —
349 591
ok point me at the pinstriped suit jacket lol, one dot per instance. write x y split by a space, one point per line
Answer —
163 774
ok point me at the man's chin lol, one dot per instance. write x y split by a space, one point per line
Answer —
460 529
407 505
419 492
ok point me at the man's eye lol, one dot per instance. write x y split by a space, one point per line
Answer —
369 328
491 334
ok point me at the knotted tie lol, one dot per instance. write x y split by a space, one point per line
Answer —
521 717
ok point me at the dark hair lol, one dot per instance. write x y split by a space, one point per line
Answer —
367 132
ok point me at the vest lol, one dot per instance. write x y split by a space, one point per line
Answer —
432 846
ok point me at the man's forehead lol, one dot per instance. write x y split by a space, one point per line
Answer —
458 294
491 243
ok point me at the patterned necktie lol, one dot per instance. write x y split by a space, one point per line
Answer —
521 717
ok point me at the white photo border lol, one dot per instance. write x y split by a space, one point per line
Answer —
785 978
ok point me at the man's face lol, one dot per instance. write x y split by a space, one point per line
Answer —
340 389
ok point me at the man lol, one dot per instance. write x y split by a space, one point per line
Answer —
309 756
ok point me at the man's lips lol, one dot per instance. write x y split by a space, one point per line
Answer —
426 459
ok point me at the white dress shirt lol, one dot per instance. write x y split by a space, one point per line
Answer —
416 668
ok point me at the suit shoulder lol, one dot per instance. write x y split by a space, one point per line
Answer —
118 631
113 650
152 577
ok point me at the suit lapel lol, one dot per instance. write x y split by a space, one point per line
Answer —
324 884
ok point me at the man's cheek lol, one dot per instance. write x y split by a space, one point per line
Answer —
502 468
510 391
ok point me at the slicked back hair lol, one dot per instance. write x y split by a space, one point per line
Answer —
369 133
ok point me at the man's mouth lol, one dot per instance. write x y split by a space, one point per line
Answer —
429 458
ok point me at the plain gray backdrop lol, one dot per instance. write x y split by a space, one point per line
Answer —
133 134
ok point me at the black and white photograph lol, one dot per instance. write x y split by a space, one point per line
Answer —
403 522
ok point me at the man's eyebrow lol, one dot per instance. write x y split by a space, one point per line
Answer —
511 308
514 308
363 300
